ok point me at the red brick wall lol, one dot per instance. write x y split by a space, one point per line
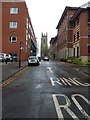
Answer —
83 33
0 27
20 32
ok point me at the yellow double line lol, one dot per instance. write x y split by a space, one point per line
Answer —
8 81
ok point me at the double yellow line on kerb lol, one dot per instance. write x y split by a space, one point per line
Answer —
8 81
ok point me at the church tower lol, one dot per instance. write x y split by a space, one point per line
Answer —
44 45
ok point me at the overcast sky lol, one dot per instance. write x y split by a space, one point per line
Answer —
45 14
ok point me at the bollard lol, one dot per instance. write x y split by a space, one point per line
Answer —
6 61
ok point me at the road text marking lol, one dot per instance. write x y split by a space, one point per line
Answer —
67 105
67 81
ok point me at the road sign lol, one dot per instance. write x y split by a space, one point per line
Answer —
20 45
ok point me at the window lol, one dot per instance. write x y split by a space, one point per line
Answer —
74 23
27 23
77 52
13 39
74 52
13 24
13 10
78 21
88 49
29 36
74 37
88 32
77 35
88 15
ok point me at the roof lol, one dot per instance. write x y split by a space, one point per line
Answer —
85 5
53 40
76 14
64 13
12 0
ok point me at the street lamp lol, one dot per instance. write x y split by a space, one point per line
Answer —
20 48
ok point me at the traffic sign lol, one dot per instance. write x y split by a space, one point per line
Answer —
20 45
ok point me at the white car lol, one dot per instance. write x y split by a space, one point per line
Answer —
33 60
5 57
46 58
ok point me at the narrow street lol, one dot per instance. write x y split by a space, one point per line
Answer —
50 90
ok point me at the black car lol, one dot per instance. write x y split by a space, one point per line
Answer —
14 56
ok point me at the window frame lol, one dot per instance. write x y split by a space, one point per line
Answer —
88 32
11 25
12 10
11 40
78 34
89 49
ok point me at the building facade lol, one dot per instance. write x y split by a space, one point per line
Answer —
17 31
53 48
81 34
73 33
64 40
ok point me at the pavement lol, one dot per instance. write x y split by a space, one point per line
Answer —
82 68
9 69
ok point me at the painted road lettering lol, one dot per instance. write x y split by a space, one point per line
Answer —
55 80
79 106
66 106
67 81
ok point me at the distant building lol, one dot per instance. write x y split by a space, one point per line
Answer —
73 34
44 45
16 29
53 48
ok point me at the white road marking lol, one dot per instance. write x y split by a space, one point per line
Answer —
50 69
76 68
82 84
52 82
66 106
55 80
72 81
79 106
67 81
63 81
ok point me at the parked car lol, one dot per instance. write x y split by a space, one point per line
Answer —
46 58
14 56
33 60
39 58
4 57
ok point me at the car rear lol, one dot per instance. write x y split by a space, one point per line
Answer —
46 59
2 58
33 60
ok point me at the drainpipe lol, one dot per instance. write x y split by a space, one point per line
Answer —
68 37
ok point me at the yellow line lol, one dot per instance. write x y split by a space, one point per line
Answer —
8 81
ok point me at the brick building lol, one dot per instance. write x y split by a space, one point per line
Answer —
73 33
17 30
53 48
81 33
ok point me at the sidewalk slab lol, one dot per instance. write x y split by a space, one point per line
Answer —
82 68
11 68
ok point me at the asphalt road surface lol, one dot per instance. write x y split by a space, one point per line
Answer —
50 90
